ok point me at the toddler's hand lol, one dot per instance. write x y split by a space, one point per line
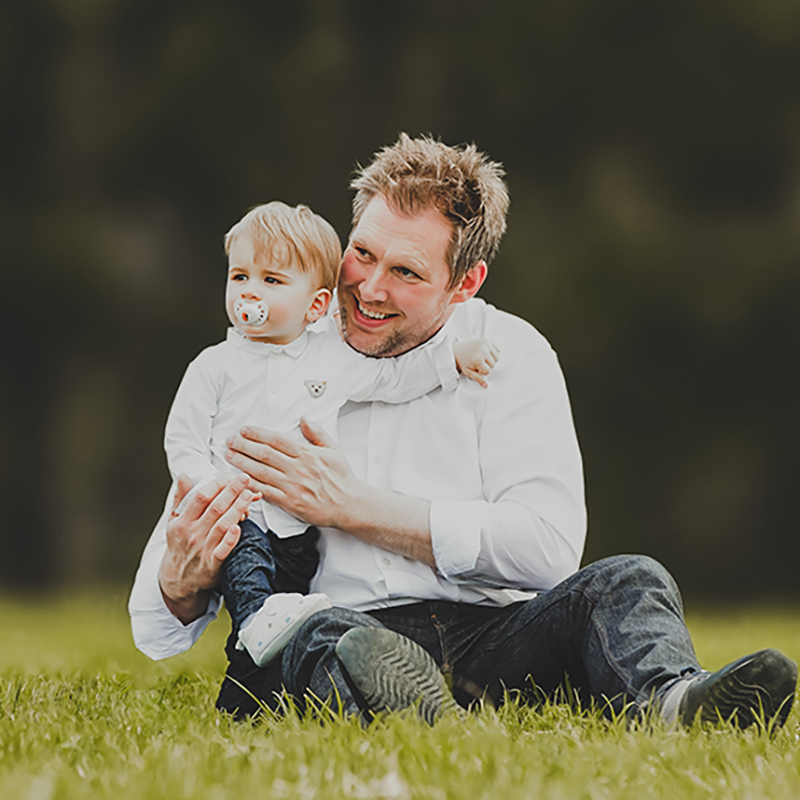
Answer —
476 358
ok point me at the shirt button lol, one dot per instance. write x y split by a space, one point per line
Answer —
386 562
274 389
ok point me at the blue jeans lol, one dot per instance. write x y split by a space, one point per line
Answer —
613 632
262 564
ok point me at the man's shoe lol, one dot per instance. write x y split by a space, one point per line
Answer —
393 673
758 687
269 630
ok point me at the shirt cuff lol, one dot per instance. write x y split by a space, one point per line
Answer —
446 368
455 535
157 632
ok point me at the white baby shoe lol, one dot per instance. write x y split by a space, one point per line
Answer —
268 631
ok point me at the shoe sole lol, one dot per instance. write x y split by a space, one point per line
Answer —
393 673
759 687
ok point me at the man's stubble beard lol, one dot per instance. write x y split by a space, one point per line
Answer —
395 344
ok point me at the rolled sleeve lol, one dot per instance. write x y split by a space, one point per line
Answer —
527 529
445 362
455 536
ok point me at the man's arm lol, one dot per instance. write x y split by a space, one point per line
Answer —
172 599
526 527
314 482
199 539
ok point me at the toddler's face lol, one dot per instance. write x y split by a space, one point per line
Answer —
275 286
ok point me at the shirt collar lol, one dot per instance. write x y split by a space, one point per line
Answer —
294 349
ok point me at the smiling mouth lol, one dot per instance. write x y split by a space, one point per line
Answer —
374 315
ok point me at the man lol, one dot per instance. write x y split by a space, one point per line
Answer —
456 521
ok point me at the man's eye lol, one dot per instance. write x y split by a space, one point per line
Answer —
406 272
361 251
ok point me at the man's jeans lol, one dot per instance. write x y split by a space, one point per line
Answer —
612 632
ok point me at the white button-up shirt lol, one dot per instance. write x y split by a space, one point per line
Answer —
240 382
501 467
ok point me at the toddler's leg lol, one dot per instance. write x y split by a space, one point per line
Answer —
268 607
248 574
296 560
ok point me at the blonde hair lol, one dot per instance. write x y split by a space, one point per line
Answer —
417 174
307 239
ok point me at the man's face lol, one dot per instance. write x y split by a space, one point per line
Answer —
393 283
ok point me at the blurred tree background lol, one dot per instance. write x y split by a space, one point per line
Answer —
653 155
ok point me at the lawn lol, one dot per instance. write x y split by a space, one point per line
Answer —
83 715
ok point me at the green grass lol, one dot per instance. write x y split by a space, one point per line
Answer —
83 715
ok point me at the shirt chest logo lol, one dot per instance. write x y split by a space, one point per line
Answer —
316 388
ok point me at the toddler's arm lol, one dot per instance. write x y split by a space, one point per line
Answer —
414 374
400 379
187 438
476 358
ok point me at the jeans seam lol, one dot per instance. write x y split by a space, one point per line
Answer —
439 628
622 674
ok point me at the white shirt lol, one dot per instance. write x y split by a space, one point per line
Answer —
241 382
501 467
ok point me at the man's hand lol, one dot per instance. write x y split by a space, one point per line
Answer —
476 358
200 536
312 482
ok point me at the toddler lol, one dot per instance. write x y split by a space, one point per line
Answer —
284 359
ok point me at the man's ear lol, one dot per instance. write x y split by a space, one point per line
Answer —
468 286
319 305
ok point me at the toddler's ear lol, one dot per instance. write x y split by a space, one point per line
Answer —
319 305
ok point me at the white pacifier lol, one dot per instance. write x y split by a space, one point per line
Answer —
250 312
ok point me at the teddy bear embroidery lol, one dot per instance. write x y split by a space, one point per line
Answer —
315 388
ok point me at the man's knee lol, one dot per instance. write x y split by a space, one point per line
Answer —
310 664
335 621
639 571
321 631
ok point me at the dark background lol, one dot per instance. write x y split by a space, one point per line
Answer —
653 157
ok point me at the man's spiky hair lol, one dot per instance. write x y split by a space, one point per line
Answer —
460 182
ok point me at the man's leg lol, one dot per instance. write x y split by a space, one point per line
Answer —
330 658
615 628
613 632
308 665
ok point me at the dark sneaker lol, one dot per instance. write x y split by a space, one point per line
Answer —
393 673
760 686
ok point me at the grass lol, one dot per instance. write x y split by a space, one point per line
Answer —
83 715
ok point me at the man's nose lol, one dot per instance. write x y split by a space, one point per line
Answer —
373 288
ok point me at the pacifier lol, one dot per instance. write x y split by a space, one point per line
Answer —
250 312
